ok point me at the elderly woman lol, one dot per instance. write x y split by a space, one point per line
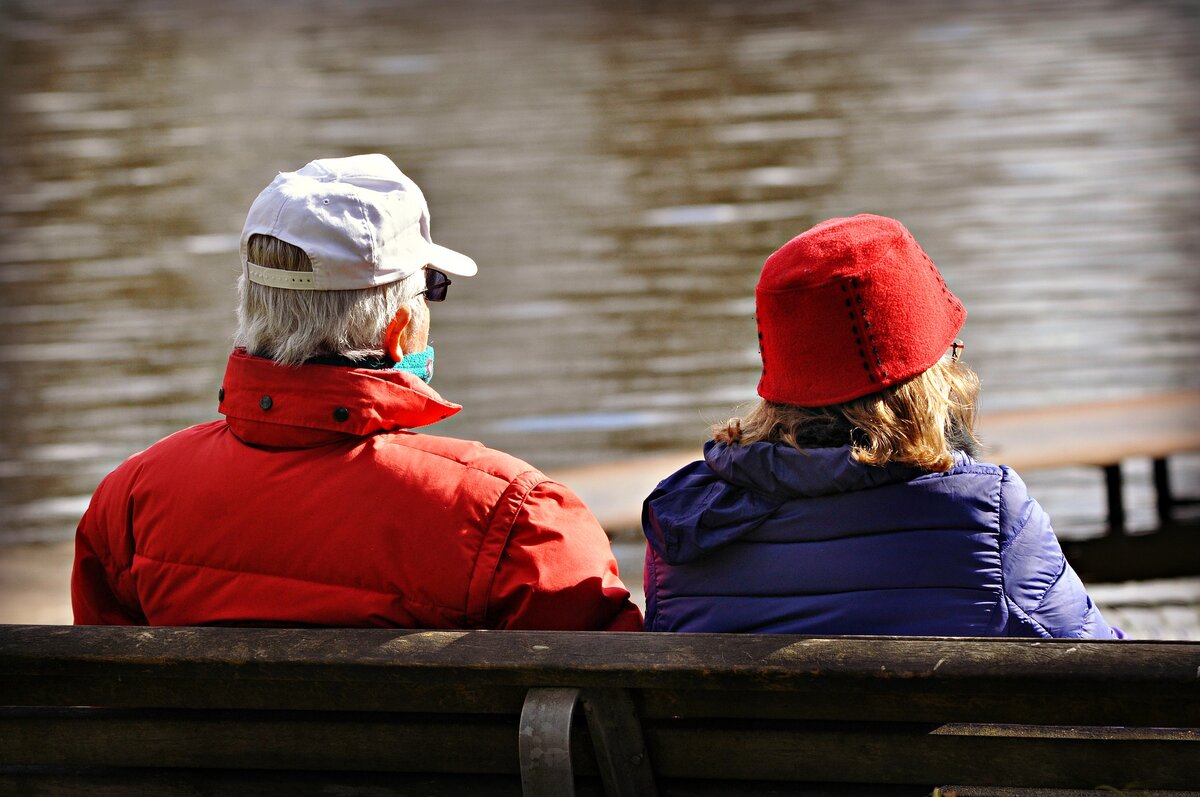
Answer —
849 499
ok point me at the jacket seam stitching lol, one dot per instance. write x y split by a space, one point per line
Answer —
523 499
1021 529
1057 577
1033 621
461 464
1005 548
1001 548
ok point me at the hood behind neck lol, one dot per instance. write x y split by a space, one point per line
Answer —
736 488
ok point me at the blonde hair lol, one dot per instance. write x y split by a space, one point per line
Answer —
920 421
290 326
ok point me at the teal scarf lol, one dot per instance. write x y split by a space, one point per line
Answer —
419 364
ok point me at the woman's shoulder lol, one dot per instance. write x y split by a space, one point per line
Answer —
1005 485
966 463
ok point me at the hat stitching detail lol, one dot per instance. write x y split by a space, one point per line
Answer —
856 301
368 228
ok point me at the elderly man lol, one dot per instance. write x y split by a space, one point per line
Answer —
313 502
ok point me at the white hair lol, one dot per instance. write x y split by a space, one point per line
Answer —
290 326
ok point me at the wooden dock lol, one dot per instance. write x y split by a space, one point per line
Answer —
1102 434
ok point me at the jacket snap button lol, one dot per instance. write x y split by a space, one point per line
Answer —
265 402
221 394
341 414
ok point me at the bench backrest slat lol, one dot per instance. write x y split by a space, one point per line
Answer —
715 707
708 674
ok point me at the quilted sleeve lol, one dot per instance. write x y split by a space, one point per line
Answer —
557 570
102 591
1045 597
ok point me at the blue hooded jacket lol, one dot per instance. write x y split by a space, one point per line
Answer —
765 538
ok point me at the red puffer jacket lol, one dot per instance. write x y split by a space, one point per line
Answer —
312 505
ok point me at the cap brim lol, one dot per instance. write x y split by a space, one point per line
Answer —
451 262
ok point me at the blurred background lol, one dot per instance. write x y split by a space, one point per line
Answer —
619 170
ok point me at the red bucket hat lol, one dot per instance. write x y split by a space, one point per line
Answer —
848 308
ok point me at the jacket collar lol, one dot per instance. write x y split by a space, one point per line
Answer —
272 405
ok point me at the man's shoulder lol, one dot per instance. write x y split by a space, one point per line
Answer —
169 448
183 437
469 454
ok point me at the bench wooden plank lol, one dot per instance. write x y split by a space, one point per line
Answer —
327 741
880 753
1096 433
907 754
161 782
488 671
531 655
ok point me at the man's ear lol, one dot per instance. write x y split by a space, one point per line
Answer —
397 334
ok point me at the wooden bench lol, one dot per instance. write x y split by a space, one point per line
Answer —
188 711
1102 434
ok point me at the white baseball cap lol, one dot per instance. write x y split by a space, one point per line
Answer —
360 220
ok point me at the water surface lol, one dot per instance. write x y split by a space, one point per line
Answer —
620 171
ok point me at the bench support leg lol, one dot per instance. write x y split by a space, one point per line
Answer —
1114 486
545 742
620 749
1163 500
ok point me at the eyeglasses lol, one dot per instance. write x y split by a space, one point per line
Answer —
436 285
956 349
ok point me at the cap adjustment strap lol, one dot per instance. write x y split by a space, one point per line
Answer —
278 278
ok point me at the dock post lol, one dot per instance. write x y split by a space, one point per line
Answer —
1114 486
1163 500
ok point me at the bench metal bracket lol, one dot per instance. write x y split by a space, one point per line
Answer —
545 742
